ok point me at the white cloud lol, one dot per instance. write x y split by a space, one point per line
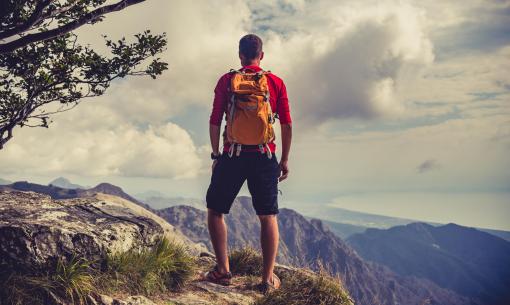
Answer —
127 132
94 141
473 154
346 60
202 45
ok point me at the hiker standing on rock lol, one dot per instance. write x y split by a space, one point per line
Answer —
252 99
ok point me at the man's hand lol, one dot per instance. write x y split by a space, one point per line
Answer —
284 170
286 139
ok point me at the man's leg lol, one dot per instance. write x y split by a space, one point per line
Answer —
227 179
269 236
218 233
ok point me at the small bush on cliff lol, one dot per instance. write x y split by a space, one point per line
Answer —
165 266
71 281
302 288
245 261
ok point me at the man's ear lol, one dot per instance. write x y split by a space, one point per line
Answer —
241 56
261 55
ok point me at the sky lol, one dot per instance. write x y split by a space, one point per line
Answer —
399 108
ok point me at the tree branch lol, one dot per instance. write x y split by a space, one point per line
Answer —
59 11
3 139
41 36
34 18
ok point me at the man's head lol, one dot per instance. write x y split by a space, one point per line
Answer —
250 50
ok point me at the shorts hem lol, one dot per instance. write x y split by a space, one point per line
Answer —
262 213
218 210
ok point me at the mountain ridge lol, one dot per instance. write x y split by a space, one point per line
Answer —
307 242
466 260
369 281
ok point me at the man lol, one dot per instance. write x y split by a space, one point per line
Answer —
258 165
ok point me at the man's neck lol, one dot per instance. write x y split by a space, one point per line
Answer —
251 63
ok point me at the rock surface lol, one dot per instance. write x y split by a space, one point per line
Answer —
131 300
36 229
198 292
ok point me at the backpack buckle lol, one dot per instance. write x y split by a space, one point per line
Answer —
268 152
231 150
238 152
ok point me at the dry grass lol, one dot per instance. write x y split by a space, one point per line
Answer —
166 266
71 281
245 261
301 288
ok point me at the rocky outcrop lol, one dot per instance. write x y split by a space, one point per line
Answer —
36 229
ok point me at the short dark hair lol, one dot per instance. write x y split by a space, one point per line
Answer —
250 46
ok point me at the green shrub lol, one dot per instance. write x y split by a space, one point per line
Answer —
245 261
301 288
165 266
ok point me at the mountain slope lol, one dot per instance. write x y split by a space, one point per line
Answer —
57 192
305 243
473 263
343 230
161 202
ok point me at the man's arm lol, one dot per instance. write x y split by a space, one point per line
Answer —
214 134
219 104
286 140
283 110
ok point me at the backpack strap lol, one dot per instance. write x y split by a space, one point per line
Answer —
268 152
262 71
231 150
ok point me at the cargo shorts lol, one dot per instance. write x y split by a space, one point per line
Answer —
228 177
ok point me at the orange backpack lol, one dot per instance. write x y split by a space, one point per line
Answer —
250 118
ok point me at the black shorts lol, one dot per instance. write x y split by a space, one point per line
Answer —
228 177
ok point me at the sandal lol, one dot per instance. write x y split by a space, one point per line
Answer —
270 286
215 276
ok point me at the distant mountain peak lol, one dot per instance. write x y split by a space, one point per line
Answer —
106 186
63 179
65 183
419 225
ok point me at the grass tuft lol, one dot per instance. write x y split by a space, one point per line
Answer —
245 261
71 281
301 288
165 266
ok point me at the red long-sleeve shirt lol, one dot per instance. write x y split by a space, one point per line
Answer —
277 98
